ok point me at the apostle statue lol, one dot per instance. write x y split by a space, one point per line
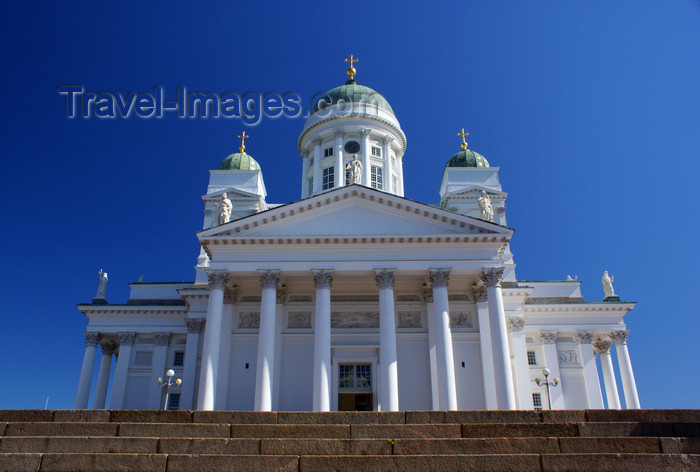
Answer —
224 209
102 288
355 169
486 208
607 285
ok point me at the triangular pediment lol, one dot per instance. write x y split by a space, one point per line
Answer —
354 211
474 191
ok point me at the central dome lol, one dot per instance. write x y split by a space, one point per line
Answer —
239 161
354 93
467 158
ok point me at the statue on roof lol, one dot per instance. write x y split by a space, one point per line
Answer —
102 288
224 209
354 168
607 285
486 208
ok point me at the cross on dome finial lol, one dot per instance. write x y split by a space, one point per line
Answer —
464 142
242 137
351 71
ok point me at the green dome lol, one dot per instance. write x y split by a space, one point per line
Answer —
239 161
467 158
353 92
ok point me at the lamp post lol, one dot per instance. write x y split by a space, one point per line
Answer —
547 383
167 384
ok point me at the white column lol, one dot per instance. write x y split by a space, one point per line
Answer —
100 399
603 348
523 391
194 326
322 341
590 371
388 369
366 152
339 167
265 366
317 165
212 341
551 361
304 171
81 399
121 371
386 157
499 339
160 358
443 340
223 372
488 377
629 386
432 350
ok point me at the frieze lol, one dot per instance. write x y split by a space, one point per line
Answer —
251 298
354 298
355 319
408 298
299 319
461 319
249 320
569 357
410 319
300 298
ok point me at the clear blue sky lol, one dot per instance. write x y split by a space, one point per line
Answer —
590 109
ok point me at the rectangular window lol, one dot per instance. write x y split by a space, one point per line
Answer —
377 177
328 177
179 359
174 401
376 151
357 376
311 186
143 358
328 152
537 401
531 359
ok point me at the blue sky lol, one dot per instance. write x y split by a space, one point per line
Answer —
590 109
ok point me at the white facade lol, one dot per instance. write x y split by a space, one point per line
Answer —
356 298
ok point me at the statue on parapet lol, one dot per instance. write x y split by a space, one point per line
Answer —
224 209
354 167
101 289
608 287
486 207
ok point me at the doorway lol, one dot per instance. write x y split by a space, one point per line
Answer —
355 387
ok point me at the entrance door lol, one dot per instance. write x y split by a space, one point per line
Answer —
355 387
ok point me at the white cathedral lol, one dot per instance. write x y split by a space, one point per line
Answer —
354 297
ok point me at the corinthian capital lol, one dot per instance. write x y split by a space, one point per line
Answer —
516 324
127 338
492 277
585 337
602 346
339 133
108 348
92 339
386 139
323 278
217 278
365 132
385 278
194 325
479 292
620 336
549 337
162 339
440 277
269 279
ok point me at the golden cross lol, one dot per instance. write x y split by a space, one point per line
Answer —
351 70
463 135
243 136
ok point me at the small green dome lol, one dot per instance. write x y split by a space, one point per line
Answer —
467 158
353 92
239 161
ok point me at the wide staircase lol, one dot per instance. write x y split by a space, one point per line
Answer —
137 440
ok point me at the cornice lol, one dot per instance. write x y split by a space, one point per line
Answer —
577 307
130 309
384 121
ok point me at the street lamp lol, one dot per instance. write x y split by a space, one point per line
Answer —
169 383
553 383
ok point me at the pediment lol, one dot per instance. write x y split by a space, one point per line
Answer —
232 194
474 191
354 211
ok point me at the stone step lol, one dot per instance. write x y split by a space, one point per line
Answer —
323 446
407 417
